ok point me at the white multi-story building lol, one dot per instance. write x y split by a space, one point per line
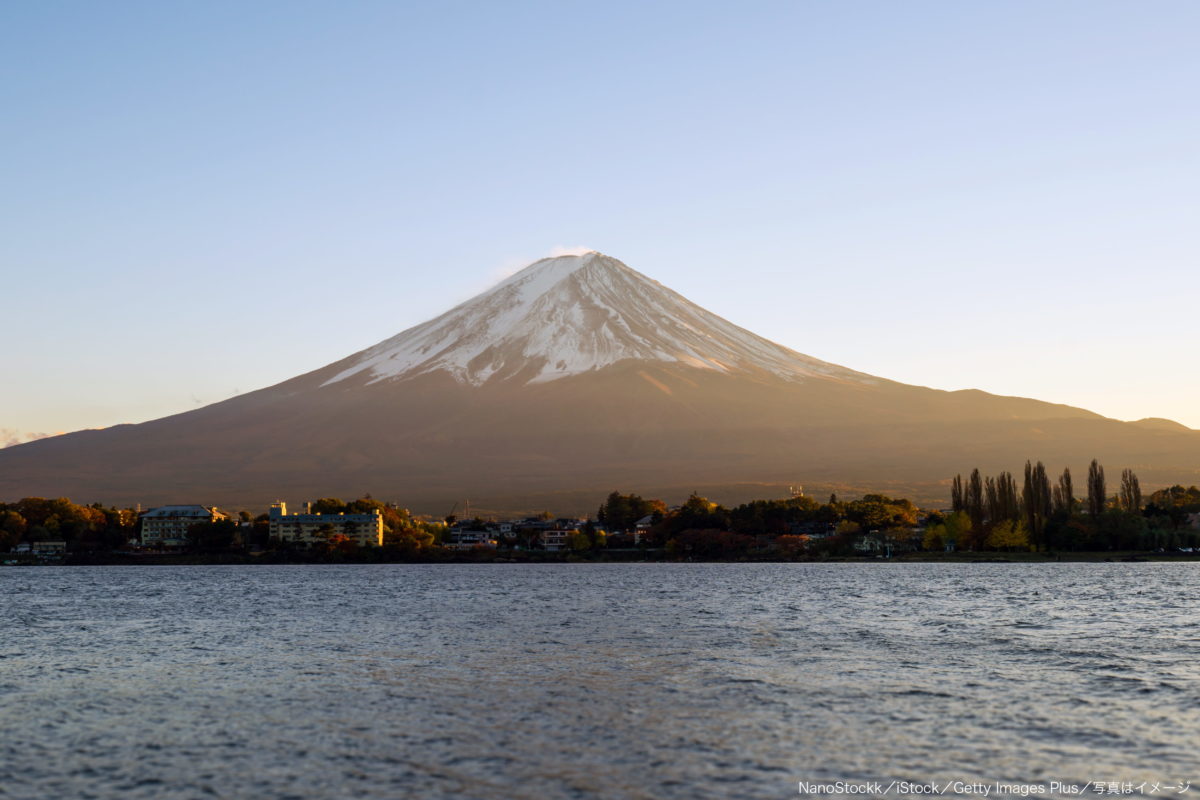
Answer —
167 526
557 538
364 529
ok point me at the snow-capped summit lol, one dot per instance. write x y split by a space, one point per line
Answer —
573 314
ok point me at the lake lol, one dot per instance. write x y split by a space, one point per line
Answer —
593 681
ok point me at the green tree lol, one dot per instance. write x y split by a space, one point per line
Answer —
957 529
328 505
935 537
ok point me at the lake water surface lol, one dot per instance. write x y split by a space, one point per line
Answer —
612 680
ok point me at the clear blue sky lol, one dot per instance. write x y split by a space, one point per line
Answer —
206 198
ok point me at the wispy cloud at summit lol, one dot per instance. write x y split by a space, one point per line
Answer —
12 436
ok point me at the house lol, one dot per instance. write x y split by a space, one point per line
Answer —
464 538
167 526
558 538
813 530
869 543
641 528
43 551
365 530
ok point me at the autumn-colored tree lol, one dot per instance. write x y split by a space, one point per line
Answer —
791 546
12 528
1009 535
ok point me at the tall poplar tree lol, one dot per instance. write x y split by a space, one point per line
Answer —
993 500
1097 496
1064 493
1131 492
1036 501
1006 488
974 500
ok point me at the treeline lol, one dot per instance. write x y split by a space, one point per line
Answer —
37 519
990 512
102 529
1001 512
701 528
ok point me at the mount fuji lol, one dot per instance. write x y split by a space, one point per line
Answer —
566 316
569 379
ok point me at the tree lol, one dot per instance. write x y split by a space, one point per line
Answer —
1131 492
880 512
12 528
212 537
1009 535
620 512
1097 491
1002 498
328 505
1036 501
974 499
325 533
1064 494
935 537
957 529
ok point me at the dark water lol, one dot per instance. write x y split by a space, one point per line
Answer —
624 680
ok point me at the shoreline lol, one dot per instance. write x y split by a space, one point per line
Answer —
616 557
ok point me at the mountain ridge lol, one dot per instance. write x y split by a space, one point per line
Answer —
473 404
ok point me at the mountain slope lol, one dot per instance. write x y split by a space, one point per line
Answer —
574 377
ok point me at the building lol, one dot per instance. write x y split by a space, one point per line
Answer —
557 538
167 526
641 528
465 538
365 530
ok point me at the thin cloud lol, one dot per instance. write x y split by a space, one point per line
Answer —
12 436
579 250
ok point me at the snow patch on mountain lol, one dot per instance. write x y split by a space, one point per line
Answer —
572 314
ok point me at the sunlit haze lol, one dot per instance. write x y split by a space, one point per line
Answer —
206 199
